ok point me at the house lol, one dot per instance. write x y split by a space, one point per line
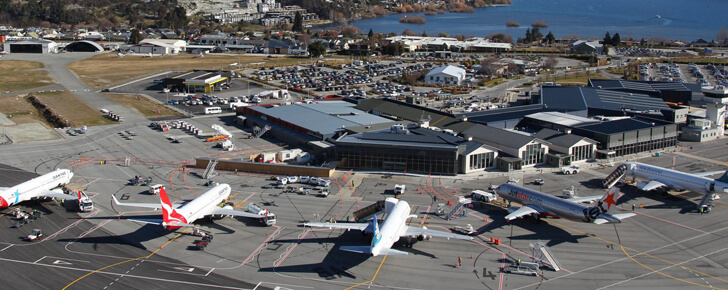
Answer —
446 75
586 47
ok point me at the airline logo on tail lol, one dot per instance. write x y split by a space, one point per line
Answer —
169 214
605 205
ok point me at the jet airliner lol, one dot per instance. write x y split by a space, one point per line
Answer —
46 185
174 217
392 229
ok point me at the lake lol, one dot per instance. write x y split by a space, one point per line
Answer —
675 19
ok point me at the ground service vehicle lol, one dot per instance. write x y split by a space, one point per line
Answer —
573 169
212 110
483 196
399 189
154 189
268 219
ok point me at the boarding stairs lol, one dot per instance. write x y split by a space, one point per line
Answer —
369 210
615 176
541 252
259 132
210 170
458 211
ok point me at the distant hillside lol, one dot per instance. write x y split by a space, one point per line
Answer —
103 13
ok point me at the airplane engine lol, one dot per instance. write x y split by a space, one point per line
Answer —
641 184
422 237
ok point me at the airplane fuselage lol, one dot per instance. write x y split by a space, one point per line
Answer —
35 187
674 178
205 203
553 206
392 228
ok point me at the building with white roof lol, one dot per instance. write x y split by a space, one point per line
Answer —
446 75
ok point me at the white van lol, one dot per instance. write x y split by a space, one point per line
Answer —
213 110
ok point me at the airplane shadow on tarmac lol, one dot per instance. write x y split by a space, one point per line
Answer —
685 205
540 230
337 263
145 233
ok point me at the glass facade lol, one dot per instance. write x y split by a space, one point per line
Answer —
583 152
533 154
398 158
481 161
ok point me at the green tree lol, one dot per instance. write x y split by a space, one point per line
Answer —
371 33
135 36
297 23
722 36
549 38
316 49
536 34
607 39
616 40
529 36
424 33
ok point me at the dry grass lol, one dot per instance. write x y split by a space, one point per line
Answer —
104 70
573 79
74 109
20 109
143 105
17 75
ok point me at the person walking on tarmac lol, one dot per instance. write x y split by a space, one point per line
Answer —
519 262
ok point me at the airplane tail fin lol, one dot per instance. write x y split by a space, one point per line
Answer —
723 178
608 203
171 218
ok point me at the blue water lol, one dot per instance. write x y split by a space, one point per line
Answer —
679 19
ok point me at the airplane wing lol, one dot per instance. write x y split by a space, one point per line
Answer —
416 231
56 194
523 211
159 222
155 206
653 184
345 226
708 173
368 250
4 188
613 218
592 198
232 212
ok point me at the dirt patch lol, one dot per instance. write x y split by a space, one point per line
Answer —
19 110
143 105
74 109
104 70
17 75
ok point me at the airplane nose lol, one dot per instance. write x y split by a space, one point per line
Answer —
3 202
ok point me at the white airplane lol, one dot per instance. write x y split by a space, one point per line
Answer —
538 203
659 177
46 185
393 228
174 217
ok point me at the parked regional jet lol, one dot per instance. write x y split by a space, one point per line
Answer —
667 178
538 203
46 185
174 217
393 228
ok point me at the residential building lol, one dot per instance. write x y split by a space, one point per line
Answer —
446 75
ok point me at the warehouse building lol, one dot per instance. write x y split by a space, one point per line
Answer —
628 136
31 46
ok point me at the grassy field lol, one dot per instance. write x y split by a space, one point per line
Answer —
143 105
74 109
104 70
64 103
17 75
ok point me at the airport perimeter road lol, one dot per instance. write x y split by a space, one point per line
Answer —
56 64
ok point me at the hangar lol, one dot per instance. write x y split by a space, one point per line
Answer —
84 46
31 46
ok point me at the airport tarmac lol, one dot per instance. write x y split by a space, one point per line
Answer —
668 243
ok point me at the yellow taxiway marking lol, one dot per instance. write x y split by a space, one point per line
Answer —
126 261
232 196
645 254
375 275
663 274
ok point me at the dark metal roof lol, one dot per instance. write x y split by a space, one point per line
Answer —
498 138
622 125
411 112
645 86
510 113
560 138
580 98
